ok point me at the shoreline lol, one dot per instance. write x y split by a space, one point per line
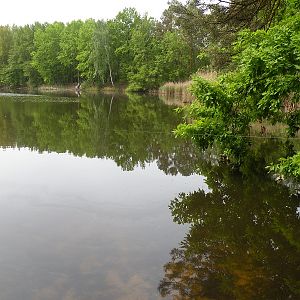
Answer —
172 97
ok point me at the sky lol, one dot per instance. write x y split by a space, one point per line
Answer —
21 12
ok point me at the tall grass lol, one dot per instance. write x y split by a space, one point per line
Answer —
208 75
179 92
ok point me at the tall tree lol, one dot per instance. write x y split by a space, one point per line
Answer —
189 19
86 64
19 70
6 42
121 29
102 53
172 59
144 45
45 57
69 48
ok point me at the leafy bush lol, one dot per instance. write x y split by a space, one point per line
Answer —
289 167
267 76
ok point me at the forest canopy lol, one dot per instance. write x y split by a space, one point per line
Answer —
131 49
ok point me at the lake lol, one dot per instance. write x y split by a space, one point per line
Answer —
99 200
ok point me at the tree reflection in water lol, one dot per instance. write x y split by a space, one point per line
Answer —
132 131
243 241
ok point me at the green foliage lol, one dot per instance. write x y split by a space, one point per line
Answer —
265 82
251 14
69 49
145 53
20 56
85 50
19 69
144 46
121 29
209 41
102 52
189 20
45 57
129 49
269 66
172 59
219 118
6 41
289 167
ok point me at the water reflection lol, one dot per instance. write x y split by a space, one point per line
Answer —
243 241
84 191
74 224
132 132
81 228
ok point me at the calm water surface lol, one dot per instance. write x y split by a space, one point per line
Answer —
99 201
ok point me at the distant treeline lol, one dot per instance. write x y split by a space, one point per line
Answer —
130 49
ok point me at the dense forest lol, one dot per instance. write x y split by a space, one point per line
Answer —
130 49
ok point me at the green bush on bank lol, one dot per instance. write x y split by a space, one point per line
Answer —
288 167
265 86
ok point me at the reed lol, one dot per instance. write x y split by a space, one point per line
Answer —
208 75
179 92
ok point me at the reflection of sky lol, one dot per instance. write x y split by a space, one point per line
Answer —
79 228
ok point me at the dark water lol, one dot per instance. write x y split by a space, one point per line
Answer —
99 201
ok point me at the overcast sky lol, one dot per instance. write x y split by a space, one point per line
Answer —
22 12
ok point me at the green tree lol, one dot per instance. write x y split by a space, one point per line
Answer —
6 42
121 29
264 84
190 20
69 48
19 70
144 45
45 58
86 64
103 53
172 59
20 55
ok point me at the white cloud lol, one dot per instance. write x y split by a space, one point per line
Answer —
22 12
